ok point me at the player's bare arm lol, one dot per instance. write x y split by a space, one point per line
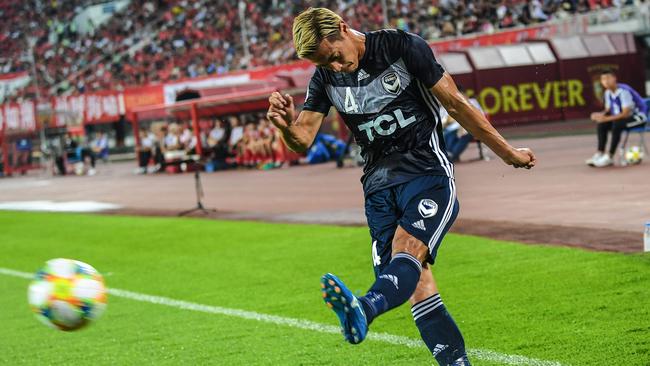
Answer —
625 113
475 123
297 133
596 116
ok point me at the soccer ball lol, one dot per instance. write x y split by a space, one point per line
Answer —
634 155
67 294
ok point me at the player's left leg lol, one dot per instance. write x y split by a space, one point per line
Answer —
430 206
437 328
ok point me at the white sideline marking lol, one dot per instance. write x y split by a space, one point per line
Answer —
52 206
24 183
477 353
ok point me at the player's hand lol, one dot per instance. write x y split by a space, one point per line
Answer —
282 111
521 158
597 116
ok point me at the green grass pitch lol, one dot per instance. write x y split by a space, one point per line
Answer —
546 303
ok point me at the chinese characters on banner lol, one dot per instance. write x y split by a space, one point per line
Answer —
87 108
18 116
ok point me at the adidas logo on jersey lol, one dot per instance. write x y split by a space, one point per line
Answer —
362 75
419 225
439 348
391 278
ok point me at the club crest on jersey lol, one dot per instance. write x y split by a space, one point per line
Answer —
391 82
428 208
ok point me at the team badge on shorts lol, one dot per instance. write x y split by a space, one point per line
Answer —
391 82
427 208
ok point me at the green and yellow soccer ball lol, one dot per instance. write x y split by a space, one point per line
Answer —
67 294
634 155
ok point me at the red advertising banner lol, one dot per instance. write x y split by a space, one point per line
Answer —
568 90
87 108
103 107
143 96
18 116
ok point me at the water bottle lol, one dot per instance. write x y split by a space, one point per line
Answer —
646 237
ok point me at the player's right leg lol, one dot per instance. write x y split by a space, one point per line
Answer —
399 273
393 287
382 216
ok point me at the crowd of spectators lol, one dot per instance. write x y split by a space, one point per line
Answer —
248 141
163 40
64 57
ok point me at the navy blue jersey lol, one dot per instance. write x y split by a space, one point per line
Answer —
388 106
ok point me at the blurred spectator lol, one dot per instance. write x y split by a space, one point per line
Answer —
236 140
325 148
160 133
188 140
172 141
218 135
455 136
624 109
145 151
23 154
99 146
218 144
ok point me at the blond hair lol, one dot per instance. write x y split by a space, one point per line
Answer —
312 26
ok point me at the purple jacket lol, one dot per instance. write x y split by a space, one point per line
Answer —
639 102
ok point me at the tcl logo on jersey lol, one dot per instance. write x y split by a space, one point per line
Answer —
389 126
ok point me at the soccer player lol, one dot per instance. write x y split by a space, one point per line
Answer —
624 109
388 88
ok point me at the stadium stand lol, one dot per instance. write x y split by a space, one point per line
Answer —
163 40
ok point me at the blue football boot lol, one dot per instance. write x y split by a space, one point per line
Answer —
463 361
346 306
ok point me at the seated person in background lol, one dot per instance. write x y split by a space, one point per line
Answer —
70 145
245 154
217 134
252 148
265 143
324 148
624 109
277 147
23 153
99 145
218 143
160 135
172 140
335 146
145 150
79 155
188 141
234 141
88 159
455 136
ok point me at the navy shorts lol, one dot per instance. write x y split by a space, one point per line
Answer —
425 207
